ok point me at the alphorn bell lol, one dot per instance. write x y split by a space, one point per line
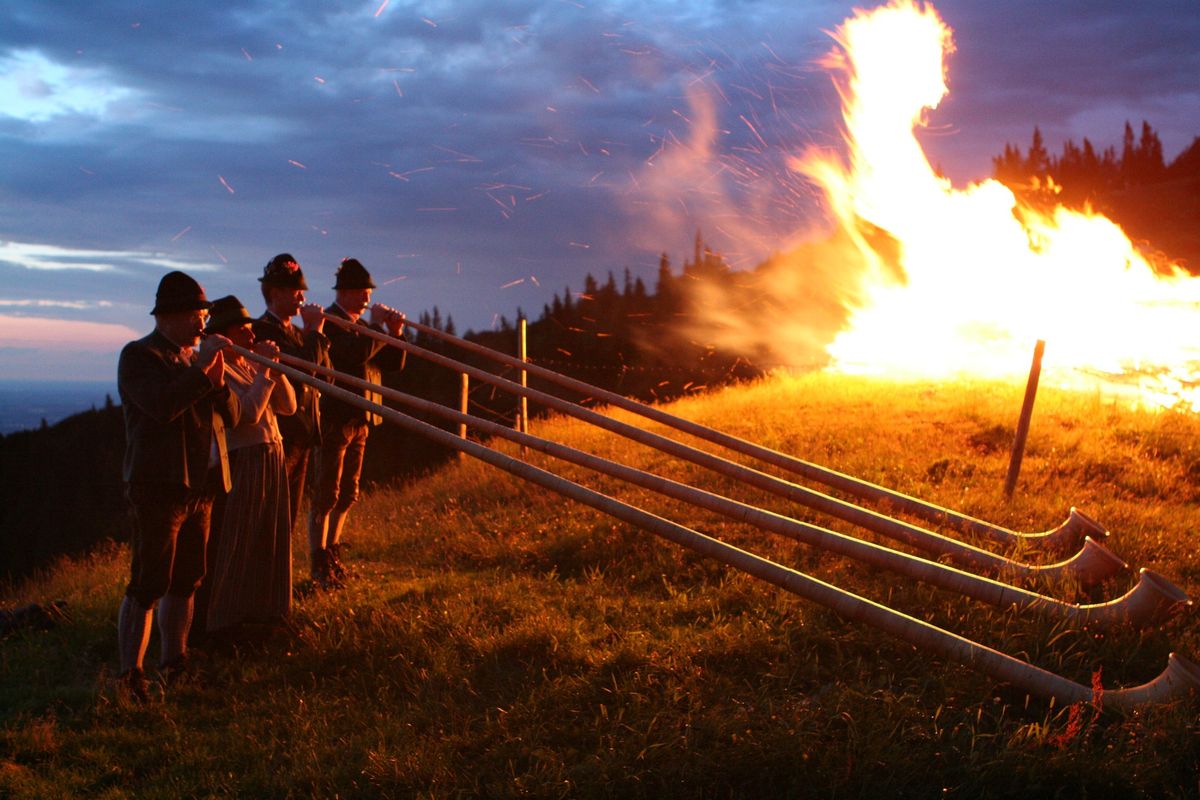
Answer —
1092 564
1152 600
1062 538
1180 679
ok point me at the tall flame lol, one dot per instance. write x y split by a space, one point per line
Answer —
965 280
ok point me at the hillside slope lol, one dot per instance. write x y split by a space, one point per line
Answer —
500 640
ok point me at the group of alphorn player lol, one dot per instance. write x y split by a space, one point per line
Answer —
217 547
218 448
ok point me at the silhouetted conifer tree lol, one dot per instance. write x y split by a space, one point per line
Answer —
1082 174
1129 155
1037 163
665 290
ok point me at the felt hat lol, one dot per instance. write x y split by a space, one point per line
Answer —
226 311
353 275
284 272
178 291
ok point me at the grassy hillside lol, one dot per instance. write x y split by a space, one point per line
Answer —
503 641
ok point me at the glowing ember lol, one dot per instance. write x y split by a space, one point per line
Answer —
965 280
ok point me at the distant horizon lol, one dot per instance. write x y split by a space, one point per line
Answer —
25 402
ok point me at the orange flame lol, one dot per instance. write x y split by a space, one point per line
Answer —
964 280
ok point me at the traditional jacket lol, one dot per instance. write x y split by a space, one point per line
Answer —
171 410
359 356
304 427
265 404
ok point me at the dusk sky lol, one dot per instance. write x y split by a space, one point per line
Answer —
479 156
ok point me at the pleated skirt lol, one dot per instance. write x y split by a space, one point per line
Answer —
251 569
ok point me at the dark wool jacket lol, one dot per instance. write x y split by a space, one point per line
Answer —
169 405
360 356
304 427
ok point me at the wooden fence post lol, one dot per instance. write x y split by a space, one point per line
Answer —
464 392
1018 451
523 425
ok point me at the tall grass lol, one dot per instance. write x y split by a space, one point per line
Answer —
499 640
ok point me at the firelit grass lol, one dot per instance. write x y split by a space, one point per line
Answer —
502 641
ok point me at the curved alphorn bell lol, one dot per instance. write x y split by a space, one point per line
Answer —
1180 679
1092 564
1061 538
1151 601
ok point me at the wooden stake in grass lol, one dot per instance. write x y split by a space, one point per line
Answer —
523 425
463 402
1018 451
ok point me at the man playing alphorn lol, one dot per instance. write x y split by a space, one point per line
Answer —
344 428
176 407
283 288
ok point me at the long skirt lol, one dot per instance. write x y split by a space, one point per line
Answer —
251 569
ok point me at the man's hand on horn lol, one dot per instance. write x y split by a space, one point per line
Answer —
389 317
211 359
267 349
312 317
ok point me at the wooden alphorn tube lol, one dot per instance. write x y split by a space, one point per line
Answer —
1179 680
1152 600
1092 564
1062 538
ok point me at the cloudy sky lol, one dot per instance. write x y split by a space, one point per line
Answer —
478 156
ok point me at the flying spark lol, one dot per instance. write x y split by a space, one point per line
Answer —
510 284
463 158
498 202
296 164
753 130
225 183
177 236
382 6
403 176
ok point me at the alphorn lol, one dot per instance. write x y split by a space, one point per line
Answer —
1179 680
1092 564
1152 600
1061 538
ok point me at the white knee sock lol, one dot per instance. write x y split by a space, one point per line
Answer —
318 525
174 620
133 633
337 520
